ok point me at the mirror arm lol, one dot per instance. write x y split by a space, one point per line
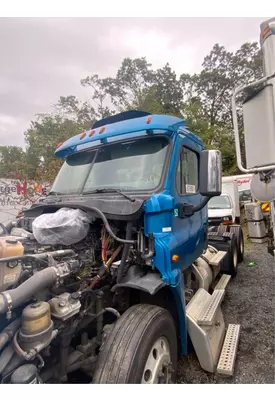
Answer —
202 204
187 209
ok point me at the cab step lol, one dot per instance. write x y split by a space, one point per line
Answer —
207 340
223 282
217 258
210 309
229 351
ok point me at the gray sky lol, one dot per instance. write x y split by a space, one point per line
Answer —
44 58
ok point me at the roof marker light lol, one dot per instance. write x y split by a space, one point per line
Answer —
82 135
149 119
59 145
265 32
102 129
91 133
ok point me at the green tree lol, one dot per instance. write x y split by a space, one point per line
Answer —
213 136
128 89
203 98
168 90
221 72
72 109
42 139
12 163
99 94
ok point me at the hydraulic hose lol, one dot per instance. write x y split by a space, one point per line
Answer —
15 362
83 363
33 352
125 253
40 257
9 227
6 357
5 231
106 223
8 332
39 281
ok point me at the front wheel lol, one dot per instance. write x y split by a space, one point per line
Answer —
141 348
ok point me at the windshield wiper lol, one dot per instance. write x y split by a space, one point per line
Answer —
106 190
56 194
53 192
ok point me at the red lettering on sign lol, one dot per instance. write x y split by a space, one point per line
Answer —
21 189
241 181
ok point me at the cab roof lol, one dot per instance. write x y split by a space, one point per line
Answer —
128 125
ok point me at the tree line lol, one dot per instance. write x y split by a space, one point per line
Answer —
203 99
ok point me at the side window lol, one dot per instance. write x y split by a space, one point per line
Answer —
187 180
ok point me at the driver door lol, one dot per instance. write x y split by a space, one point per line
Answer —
190 232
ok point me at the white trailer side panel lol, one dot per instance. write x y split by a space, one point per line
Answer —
231 188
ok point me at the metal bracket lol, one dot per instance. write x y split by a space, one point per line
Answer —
9 303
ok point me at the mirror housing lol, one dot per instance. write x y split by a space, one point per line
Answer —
210 174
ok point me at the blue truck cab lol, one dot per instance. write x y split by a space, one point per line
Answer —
155 271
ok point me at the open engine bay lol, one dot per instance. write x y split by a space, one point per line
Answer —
58 296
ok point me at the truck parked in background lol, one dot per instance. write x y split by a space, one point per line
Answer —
230 187
225 209
243 182
245 196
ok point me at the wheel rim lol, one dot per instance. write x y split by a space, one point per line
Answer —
241 245
158 365
235 258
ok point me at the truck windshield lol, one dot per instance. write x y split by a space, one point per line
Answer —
132 165
219 202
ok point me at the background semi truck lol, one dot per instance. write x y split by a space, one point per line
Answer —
115 273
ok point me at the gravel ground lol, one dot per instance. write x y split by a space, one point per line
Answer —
249 302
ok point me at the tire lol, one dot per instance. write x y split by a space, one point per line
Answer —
222 229
142 337
230 265
237 230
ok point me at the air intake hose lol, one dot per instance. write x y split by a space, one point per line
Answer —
39 281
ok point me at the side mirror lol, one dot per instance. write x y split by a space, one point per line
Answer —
210 174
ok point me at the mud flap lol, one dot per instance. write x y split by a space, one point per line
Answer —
136 278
